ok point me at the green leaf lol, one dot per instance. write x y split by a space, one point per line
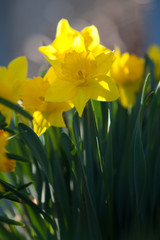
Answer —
7 194
37 222
26 200
16 108
60 185
87 223
17 157
11 221
76 129
36 147
145 87
137 163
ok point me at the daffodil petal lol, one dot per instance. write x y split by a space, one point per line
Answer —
49 51
104 62
57 118
55 71
91 37
104 89
63 28
6 165
60 91
78 44
55 115
18 68
127 96
50 76
3 73
80 99
33 92
62 45
40 124
7 114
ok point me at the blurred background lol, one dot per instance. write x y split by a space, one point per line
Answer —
26 24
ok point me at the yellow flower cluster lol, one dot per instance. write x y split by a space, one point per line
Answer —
81 69
6 165
78 72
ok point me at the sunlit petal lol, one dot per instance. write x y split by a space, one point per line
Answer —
104 89
91 37
61 91
104 62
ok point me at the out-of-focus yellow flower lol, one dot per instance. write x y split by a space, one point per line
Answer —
80 75
65 37
6 165
44 113
11 80
154 54
127 71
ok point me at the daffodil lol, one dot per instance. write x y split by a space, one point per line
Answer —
65 37
44 113
79 67
154 54
11 80
127 71
80 75
6 165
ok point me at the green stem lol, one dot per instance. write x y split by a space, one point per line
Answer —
101 161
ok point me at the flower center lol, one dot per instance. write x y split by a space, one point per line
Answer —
80 79
78 67
80 74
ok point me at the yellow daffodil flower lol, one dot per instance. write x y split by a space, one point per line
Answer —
11 80
154 54
45 113
81 76
6 165
79 67
127 71
65 37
